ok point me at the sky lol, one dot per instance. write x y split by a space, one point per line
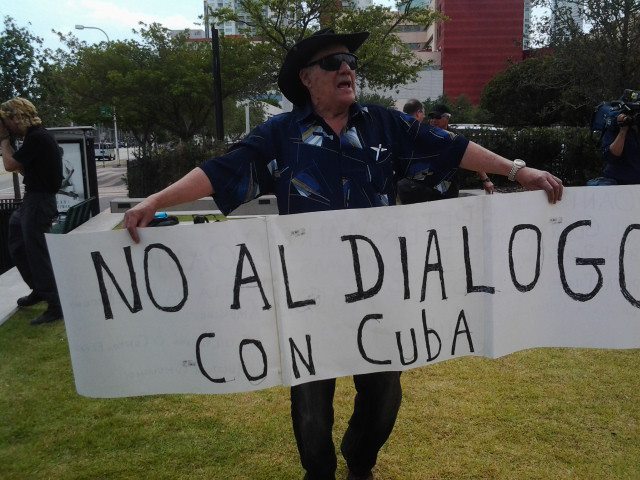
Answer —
116 17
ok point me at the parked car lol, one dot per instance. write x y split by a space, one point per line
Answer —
104 151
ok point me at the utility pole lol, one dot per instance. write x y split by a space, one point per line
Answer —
115 134
217 83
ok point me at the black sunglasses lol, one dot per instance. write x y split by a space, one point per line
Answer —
334 61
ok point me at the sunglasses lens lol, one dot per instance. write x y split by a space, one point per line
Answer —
334 62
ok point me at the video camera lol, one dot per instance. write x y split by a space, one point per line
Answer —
606 114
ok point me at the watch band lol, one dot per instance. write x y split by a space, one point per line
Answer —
515 166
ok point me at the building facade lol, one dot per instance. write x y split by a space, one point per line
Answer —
481 38
356 3
527 29
572 8
227 28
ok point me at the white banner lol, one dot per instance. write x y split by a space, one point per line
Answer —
248 304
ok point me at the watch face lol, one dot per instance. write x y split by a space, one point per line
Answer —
519 163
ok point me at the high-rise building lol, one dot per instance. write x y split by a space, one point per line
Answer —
357 3
422 3
227 28
572 7
239 28
527 27
480 39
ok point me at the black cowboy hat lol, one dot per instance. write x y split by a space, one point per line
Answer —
300 54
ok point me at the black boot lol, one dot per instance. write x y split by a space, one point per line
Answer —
30 299
51 314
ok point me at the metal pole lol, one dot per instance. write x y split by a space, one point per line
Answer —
217 83
247 125
82 27
115 134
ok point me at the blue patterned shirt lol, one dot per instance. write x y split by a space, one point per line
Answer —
298 158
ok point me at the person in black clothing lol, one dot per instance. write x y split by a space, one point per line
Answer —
621 152
40 162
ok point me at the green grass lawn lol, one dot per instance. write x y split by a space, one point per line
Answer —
539 414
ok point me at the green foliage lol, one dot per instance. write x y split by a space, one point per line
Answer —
19 61
384 60
462 110
376 99
560 414
587 66
235 121
571 153
604 59
158 83
537 91
28 71
157 168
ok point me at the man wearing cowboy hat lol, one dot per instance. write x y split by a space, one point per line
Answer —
331 153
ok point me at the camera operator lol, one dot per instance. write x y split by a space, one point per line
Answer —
621 151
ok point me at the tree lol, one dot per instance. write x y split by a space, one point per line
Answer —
602 58
586 64
384 61
537 91
19 61
158 83
376 99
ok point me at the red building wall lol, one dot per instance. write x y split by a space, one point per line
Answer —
481 38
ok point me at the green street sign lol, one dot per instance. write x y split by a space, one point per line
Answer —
106 111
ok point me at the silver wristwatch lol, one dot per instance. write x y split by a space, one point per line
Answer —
517 165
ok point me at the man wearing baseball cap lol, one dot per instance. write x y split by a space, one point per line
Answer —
331 153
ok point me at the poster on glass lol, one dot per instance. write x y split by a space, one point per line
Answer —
72 191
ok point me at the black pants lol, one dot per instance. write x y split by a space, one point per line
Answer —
375 410
27 245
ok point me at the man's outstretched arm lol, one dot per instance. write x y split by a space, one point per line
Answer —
193 186
480 159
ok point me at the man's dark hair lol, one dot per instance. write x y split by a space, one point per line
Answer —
438 111
412 106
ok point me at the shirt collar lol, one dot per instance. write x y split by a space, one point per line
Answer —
303 113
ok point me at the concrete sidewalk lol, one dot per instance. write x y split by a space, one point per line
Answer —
12 287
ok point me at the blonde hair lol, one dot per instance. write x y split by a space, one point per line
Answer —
21 111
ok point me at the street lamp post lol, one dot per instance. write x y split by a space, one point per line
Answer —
115 121
82 27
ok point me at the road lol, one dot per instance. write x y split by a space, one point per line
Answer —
111 183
